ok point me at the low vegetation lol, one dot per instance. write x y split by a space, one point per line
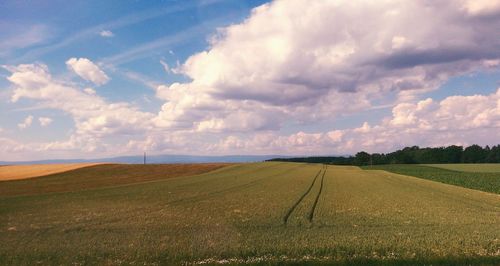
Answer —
257 213
470 167
480 180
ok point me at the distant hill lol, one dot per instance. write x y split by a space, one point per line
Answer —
158 159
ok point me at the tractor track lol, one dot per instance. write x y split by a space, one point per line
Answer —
311 213
294 206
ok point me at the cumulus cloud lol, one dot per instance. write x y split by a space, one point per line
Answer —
87 70
11 148
296 58
459 120
45 121
298 62
482 7
26 123
106 34
93 116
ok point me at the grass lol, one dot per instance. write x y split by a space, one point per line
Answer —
470 167
236 214
488 182
104 175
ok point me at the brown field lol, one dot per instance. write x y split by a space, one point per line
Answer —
102 175
14 172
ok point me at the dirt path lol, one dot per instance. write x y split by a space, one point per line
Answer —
14 172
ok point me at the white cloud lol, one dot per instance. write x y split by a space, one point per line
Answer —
89 91
166 67
462 120
87 70
106 34
306 61
93 116
45 121
478 7
398 42
459 120
9 146
293 62
26 123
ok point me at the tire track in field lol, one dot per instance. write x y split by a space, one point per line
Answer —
196 198
294 206
311 213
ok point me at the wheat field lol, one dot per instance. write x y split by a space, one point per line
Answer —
15 172
258 213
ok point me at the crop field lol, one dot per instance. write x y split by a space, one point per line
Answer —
485 181
14 172
103 175
470 167
258 213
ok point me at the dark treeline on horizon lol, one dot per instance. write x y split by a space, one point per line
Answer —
411 155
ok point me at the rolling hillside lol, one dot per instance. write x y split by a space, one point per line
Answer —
255 213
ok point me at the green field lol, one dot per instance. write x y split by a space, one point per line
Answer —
257 213
489 182
470 167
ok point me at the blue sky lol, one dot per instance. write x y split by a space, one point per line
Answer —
86 79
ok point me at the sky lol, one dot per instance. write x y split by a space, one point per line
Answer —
94 79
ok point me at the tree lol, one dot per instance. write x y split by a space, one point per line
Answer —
493 155
378 158
474 154
362 158
453 154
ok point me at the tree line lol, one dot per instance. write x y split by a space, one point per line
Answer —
411 155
